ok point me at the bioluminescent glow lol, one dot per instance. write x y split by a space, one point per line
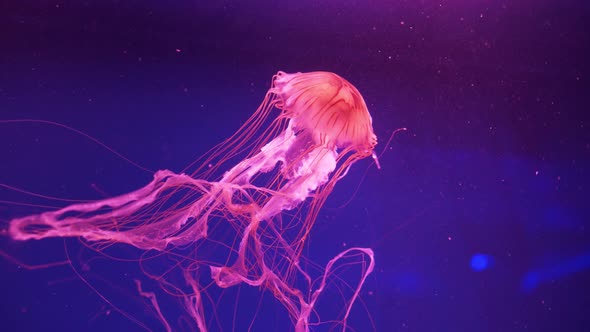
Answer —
537 277
480 262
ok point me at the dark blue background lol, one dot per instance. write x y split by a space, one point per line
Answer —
478 219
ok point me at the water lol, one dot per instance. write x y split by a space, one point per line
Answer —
478 217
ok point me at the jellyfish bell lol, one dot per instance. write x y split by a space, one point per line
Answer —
291 163
329 106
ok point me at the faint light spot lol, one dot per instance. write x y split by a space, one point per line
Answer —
178 50
530 281
480 262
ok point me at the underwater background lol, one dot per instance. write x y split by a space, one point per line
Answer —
478 217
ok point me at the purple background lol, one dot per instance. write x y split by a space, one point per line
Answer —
478 219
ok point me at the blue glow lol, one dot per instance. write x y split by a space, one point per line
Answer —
534 278
530 281
480 262
408 282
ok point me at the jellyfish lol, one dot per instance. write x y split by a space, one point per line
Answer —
267 182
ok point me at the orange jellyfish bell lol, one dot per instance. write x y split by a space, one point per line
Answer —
328 106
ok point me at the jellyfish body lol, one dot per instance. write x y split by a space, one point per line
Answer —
295 159
327 105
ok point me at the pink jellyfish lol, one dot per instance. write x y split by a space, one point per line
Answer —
270 199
